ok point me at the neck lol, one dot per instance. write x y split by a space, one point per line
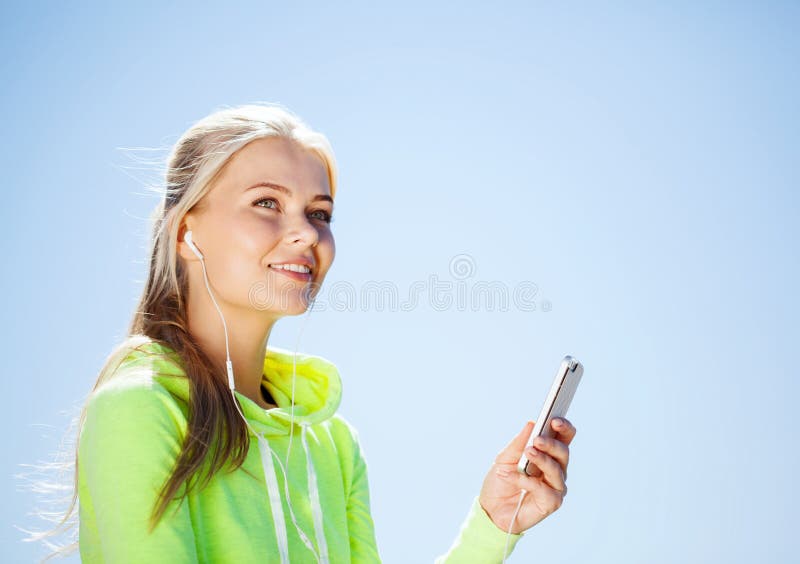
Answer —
247 339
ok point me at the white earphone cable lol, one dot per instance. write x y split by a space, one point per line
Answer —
511 524
294 377
232 386
228 365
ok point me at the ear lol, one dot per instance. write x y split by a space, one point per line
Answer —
183 249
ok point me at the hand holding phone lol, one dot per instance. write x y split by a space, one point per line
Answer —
556 405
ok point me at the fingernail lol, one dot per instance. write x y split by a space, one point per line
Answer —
533 451
558 422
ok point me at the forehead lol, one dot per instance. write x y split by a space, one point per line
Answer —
277 160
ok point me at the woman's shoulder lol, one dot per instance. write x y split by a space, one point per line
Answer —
339 425
140 377
132 423
345 435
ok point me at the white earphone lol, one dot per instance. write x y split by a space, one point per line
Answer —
231 384
229 367
188 240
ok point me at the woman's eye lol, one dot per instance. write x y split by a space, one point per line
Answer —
262 200
322 215
272 203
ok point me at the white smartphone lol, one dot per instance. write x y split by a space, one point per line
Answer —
556 405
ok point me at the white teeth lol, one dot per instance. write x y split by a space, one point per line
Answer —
292 267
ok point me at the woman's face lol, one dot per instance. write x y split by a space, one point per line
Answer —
266 217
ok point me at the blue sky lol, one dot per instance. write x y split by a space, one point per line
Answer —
636 162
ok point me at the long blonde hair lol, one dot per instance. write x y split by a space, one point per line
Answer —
216 434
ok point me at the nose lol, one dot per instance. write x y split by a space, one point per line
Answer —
302 232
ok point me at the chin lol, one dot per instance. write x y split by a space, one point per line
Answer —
288 300
295 313
297 304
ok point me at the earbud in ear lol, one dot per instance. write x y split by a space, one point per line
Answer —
188 239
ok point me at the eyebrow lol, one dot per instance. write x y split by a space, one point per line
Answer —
288 192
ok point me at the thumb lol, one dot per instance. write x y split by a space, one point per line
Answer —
513 450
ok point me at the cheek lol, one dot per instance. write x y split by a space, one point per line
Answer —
333 246
328 248
258 233
250 243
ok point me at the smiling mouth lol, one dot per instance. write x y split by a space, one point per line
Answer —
300 268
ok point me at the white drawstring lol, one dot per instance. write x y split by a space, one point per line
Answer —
316 506
266 458
272 485
274 500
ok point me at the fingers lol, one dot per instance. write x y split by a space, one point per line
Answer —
564 430
552 472
555 448
548 459
513 450
545 498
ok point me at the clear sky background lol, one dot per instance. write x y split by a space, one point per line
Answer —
637 162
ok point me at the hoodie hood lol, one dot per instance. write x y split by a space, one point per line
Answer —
317 387
317 394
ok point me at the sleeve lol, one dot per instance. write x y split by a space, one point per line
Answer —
361 528
479 540
363 547
129 442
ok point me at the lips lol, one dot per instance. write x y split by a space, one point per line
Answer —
299 269
299 265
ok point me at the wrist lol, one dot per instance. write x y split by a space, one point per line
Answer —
493 517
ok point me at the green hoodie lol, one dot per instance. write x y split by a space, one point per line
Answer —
136 420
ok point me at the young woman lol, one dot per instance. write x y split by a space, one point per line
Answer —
201 443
